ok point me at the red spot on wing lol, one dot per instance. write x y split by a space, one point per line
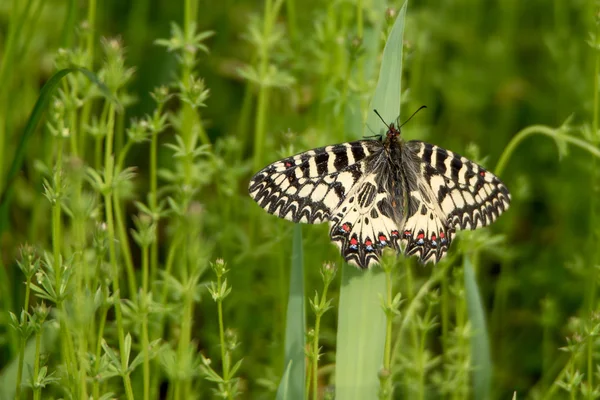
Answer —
482 173
442 235
368 242
407 233
346 228
353 241
420 236
433 237
382 238
394 233
288 164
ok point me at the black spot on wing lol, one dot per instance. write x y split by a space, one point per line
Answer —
455 166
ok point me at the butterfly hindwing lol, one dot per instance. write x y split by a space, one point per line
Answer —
307 187
364 223
425 233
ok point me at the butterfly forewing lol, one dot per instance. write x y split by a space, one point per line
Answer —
307 187
470 196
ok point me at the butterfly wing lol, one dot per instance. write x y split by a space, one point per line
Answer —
366 221
453 193
307 187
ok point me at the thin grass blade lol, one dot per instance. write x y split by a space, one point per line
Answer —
40 106
480 343
291 385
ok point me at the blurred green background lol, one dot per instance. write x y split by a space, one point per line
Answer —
485 70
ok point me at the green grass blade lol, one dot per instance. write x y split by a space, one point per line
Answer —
292 383
283 392
361 322
480 343
389 86
40 106
360 335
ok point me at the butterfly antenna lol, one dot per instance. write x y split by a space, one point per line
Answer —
381 118
409 118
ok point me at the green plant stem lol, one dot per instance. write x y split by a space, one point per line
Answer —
422 366
108 204
271 11
188 112
387 361
445 314
416 301
224 355
66 345
308 384
144 307
315 349
543 130
153 200
173 248
90 50
387 388
37 392
98 358
122 229
460 315
315 363
181 389
22 345
592 280
125 248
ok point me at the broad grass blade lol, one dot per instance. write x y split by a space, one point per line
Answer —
480 343
361 321
360 335
291 385
386 99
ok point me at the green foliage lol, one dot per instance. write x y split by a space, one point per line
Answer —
134 264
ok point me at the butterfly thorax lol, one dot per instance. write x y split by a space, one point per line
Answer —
393 145
402 179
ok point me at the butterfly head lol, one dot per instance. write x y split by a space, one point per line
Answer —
393 131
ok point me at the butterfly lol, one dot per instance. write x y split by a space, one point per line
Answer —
410 196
